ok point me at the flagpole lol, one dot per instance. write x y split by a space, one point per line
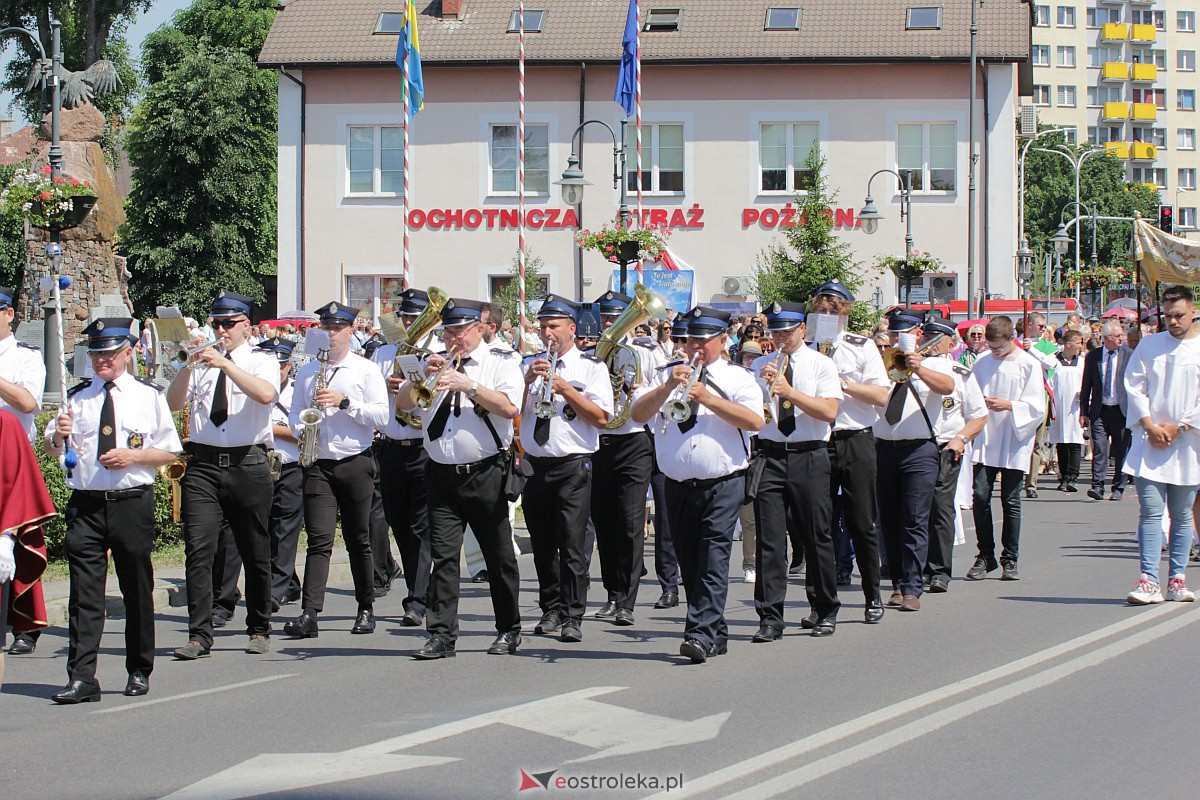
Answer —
404 224
521 174
637 104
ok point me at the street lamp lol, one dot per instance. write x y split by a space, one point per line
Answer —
870 217
573 182
1076 165
1025 279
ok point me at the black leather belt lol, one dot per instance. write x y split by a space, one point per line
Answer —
417 442
229 456
700 483
467 469
771 445
841 435
615 438
115 494
900 443
554 461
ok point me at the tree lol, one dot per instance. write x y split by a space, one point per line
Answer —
507 296
201 212
820 255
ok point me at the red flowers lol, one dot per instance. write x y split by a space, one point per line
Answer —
45 196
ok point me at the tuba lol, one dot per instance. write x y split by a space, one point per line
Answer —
646 305
893 359
422 326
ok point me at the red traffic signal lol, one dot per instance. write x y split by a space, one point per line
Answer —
1166 218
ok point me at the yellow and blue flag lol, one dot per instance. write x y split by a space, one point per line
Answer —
409 48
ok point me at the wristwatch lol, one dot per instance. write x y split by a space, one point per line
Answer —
1183 426
344 404
474 390
845 384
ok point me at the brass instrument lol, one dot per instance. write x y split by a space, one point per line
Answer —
893 359
646 305
677 408
311 417
544 406
781 365
421 327
175 471
182 357
424 392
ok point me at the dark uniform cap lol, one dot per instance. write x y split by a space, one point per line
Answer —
613 302
784 316
903 319
338 313
109 333
413 301
7 297
228 304
835 288
938 324
281 348
704 322
680 325
458 311
555 306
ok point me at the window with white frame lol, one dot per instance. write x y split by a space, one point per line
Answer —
1066 56
1041 55
1066 16
783 148
375 161
662 158
1099 134
923 18
927 152
1154 175
1186 178
1185 60
1185 138
1100 16
1187 218
1041 16
1185 21
1186 99
1154 136
1148 55
1070 134
374 295
503 157
1041 94
1066 96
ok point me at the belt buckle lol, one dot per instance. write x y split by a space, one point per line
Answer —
223 459
463 469
109 496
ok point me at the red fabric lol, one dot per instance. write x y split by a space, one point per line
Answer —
25 506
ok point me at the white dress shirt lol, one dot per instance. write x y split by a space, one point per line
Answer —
466 438
857 360
23 365
1109 360
573 436
280 412
249 421
814 375
142 422
343 432
1008 437
961 406
385 357
1162 381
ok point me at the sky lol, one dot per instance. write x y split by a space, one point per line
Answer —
158 14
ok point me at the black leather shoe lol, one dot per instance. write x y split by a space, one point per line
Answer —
981 568
77 692
938 584
365 622
412 618
1071 488
624 617
767 633
873 612
138 685
550 622
1010 571
843 578
809 622
668 600
698 653
435 648
302 627
506 644
220 620
609 609
571 631
1095 494
825 626
480 577
22 645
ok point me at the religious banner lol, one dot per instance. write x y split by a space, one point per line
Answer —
1163 258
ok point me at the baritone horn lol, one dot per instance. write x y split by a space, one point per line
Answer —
894 359
646 305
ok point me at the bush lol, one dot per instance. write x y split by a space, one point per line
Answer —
166 532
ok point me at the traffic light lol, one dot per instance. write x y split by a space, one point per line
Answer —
1166 218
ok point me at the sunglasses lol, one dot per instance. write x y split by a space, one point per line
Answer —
228 323
976 335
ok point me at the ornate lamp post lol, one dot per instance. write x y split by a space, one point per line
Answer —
870 217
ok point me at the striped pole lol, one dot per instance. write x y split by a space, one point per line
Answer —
407 279
637 100
521 172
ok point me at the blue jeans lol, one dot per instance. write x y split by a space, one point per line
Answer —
1154 498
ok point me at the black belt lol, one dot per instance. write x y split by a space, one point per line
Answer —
417 442
115 494
701 483
790 447
838 436
615 438
554 461
229 456
467 469
899 443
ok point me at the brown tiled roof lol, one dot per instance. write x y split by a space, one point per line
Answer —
339 32
20 145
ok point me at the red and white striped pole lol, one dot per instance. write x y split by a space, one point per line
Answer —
521 174
407 279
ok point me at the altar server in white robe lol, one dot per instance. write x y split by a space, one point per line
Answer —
1066 433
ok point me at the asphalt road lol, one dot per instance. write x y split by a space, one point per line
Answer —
1047 687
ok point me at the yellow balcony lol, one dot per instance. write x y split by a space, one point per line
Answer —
1145 73
1151 185
1142 33
1117 149
1114 71
1115 32
1143 151
1115 111
1144 111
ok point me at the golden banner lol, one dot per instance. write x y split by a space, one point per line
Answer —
1163 258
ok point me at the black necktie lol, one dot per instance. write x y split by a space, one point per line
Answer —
220 404
895 406
690 422
108 422
437 425
787 412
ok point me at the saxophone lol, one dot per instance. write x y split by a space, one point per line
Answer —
311 417
175 470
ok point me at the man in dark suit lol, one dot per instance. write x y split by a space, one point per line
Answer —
1103 407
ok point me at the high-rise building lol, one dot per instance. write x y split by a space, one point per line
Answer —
1122 75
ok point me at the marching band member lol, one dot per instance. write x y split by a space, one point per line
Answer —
1011 382
467 429
122 431
666 565
704 457
1066 432
852 459
804 399
559 443
352 398
959 420
230 389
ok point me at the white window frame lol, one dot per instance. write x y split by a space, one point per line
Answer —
1185 55
1065 56
1185 138
1066 16
383 300
1185 178
926 169
492 191
1070 134
1041 94
794 159
651 159
1041 16
936 25
376 159
1066 95
1036 53
1185 21
1187 218
1190 95
783 25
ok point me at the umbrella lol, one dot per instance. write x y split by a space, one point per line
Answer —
299 316
965 325
1119 313
1123 302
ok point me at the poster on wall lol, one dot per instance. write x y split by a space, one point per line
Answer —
675 286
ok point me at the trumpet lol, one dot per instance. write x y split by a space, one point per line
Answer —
893 359
781 364
424 392
182 357
544 407
677 407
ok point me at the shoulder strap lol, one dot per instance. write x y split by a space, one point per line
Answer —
924 413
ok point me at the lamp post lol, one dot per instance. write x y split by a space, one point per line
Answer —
1021 182
1024 261
573 182
1076 165
870 217
1062 237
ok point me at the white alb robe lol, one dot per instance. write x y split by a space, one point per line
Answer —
1163 383
1066 384
1008 438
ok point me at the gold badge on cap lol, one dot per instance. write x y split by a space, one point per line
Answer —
449 304
135 441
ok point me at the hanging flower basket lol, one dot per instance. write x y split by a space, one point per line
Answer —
72 212
618 243
47 202
919 263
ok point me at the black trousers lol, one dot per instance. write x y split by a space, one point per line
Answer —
702 521
621 474
455 501
241 495
557 500
406 504
287 518
1069 458
905 480
666 565
1011 481
852 470
942 515
383 562
329 486
1109 437
793 486
126 528
227 568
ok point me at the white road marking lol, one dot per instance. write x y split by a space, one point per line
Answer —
858 725
186 695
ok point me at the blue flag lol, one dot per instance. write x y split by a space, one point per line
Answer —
409 47
627 78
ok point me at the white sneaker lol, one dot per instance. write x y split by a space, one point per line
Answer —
1145 591
1178 591
750 576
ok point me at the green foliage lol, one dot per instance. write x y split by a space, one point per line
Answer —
535 288
201 213
12 237
813 254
